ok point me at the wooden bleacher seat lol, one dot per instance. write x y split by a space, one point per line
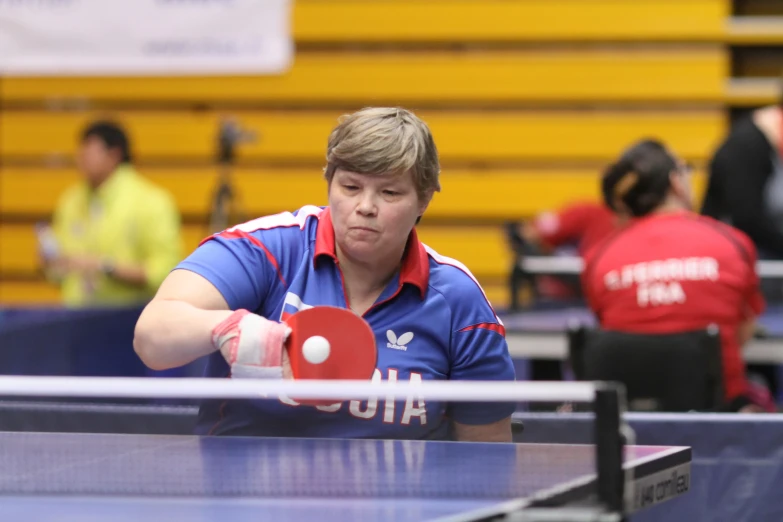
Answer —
756 69
18 254
481 248
489 196
300 136
753 92
40 293
492 195
755 30
338 21
28 293
581 74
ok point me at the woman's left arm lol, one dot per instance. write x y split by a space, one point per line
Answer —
480 353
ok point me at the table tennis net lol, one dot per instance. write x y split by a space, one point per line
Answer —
57 446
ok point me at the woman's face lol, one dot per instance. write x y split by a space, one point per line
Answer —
373 215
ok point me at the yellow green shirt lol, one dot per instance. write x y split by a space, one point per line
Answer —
126 220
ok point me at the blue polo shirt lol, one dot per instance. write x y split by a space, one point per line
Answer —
432 322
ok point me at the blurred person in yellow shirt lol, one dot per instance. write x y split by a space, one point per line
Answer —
115 235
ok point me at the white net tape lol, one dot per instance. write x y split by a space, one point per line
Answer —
204 388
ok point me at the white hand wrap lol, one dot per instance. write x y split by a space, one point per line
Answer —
252 345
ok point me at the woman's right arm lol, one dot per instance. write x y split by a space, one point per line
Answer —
175 328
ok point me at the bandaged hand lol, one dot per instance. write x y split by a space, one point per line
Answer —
253 346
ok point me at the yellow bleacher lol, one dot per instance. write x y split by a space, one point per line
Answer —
508 21
16 292
481 247
527 101
18 246
478 76
488 196
297 136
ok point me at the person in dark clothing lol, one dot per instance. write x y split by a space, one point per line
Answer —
745 187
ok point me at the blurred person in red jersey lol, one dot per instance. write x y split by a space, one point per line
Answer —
671 270
570 231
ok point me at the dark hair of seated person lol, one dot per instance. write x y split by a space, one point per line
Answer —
640 181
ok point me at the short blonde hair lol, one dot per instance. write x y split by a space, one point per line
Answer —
384 141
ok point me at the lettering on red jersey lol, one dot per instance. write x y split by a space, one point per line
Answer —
658 282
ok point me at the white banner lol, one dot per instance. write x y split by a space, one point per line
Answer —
145 37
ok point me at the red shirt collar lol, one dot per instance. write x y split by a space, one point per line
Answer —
415 264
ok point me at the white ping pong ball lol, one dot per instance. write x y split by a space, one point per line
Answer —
316 349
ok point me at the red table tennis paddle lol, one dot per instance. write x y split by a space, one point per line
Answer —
327 342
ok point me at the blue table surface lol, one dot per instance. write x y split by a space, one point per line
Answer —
85 477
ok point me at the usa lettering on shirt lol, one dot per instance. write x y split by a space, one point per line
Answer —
657 282
414 407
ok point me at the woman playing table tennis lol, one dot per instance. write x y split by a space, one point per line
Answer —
429 316
672 270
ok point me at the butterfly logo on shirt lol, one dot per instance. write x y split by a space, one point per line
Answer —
398 343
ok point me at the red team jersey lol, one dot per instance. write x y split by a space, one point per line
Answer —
675 272
585 224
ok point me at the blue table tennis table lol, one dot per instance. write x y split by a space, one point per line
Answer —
120 477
